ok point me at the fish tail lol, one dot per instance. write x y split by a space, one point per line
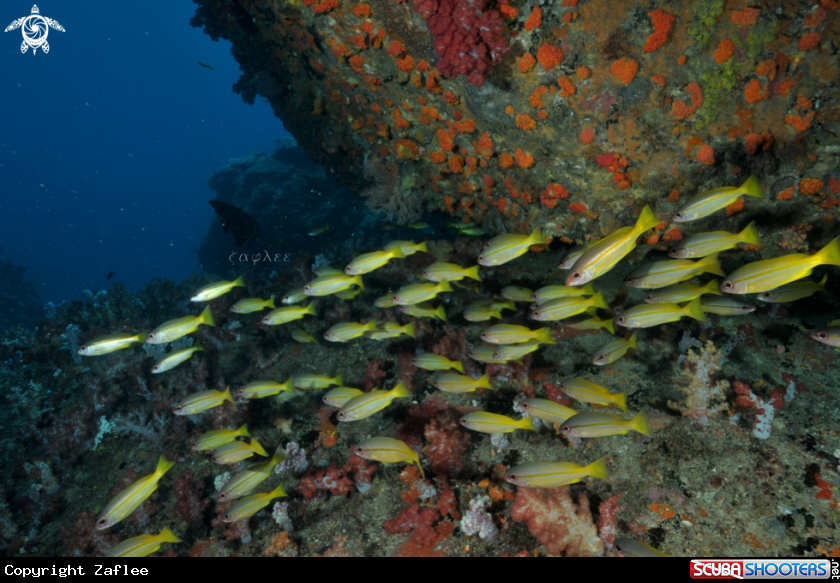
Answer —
620 400
608 324
400 391
243 431
371 326
166 535
472 272
640 424
510 305
280 455
750 235
829 255
270 302
141 336
409 329
483 382
537 237
416 460
239 282
598 301
358 281
588 290
339 380
457 365
632 341
694 310
440 313
647 220
527 423
713 287
752 188
444 286
226 395
310 309
711 264
206 317
422 247
821 284
258 448
598 469
278 492
397 253
543 336
163 466
198 346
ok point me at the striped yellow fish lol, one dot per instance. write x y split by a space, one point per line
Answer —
214 290
706 203
485 354
424 310
367 404
485 422
338 396
649 315
110 343
573 254
386 330
457 383
555 474
294 296
504 248
315 381
552 292
513 334
628 547
589 392
244 481
143 545
174 329
516 293
481 313
386 301
368 262
388 451
346 331
419 292
303 336
249 305
516 351
594 424
127 501
566 307
450 272
591 323
406 247
213 439
250 505
288 314
547 410
682 292
202 401
725 306
601 257
331 283
263 389
613 351
236 451
793 291
829 335
176 357
663 273
768 274
704 244
431 361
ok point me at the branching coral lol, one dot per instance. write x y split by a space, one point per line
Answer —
705 395
385 196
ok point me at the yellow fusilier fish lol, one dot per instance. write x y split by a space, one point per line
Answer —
555 474
386 330
649 315
348 294
603 255
318 230
704 244
567 307
386 301
485 354
214 290
431 361
829 335
504 248
705 204
547 410
263 389
406 247
174 329
294 296
143 545
477 313
368 262
573 254
388 451
249 505
303 336
516 351
249 305
127 501
614 350
176 357
349 330
418 225
793 291
461 226
288 314
513 334
419 292
332 283
497 304
725 306
315 381
662 273
202 401
367 404
243 482
768 274
628 547
589 392
236 451
485 422
682 292
474 232
450 272
593 323
424 310
213 439
552 292
458 383
517 293
110 343
339 396
595 424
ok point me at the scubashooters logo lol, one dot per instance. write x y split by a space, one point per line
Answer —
798 569
35 29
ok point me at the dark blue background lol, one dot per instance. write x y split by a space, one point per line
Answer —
107 142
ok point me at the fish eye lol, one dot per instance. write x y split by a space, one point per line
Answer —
150 337
481 258
216 459
727 284
178 407
306 288
648 297
227 518
621 318
564 428
463 422
484 336
599 358
822 335
327 335
576 275
536 313
524 405
511 476
678 215
358 450
102 521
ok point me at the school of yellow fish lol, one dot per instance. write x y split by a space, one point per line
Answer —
779 279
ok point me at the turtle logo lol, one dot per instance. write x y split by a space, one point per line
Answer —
35 29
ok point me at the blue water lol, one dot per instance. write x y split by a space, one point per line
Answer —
107 142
